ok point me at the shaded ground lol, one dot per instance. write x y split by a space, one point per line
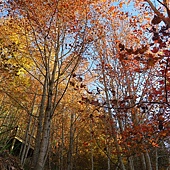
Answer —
8 162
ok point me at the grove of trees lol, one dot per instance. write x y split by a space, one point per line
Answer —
85 84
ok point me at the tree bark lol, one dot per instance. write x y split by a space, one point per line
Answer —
143 162
61 158
156 159
130 163
70 152
40 126
148 161
44 144
25 149
108 158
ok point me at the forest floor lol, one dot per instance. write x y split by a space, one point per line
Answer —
9 162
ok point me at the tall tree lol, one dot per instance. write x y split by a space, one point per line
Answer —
57 43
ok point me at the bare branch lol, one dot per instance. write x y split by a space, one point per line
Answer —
161 16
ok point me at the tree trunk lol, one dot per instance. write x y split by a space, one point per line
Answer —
130 163
92 158
148 161
156 159
44 144
70 152
76 150
108 158
40 126
61 158
168 168
143 162
23 153
91 147
26 146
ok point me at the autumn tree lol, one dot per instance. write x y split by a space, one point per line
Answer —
55 40
52 47
127 75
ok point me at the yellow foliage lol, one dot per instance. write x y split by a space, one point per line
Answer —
14 46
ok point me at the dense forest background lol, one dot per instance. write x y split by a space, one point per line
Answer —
85 84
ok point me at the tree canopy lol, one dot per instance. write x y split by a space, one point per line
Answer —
85 84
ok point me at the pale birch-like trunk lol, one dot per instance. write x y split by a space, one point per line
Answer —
143 162
148 161
130 163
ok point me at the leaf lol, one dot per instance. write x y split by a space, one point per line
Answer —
95 103
72 83
121 46
85 143
120 4
154 144
82 85
112 8
155 50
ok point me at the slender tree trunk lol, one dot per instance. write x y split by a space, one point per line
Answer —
143 162
40 126
44 143
156 159
91 147
23 154
108 158
76 150
61 159
92 158
130 163
148 161
168 168
37 142
25 149
70 152
29 143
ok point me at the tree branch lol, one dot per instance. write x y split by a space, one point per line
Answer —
166 6
161 16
